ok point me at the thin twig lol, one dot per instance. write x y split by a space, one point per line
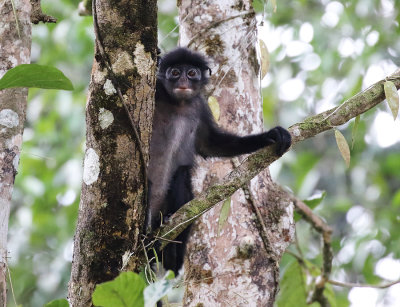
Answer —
147 266
334 111
11 284
299 258
297 244
326 231
173 30
169 241
16 19
354 285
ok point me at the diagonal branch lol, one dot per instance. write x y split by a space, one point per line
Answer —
327 255
258 161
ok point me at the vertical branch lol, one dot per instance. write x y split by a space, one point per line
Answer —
226 32
327 255
119 120
15 42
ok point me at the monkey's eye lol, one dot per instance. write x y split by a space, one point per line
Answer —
175 72
193 73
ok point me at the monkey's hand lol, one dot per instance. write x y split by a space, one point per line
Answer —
279 136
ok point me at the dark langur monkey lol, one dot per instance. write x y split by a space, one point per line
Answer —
183 127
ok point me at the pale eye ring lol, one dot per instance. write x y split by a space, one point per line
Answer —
175 72
192 73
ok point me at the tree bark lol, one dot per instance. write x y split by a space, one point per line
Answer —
15 42
237 264
111 211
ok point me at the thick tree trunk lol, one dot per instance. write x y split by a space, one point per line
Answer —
238 264
111 212
15 49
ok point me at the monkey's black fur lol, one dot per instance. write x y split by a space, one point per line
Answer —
183 127
182 56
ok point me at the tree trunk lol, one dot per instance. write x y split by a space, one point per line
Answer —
234 263
111 212
15 49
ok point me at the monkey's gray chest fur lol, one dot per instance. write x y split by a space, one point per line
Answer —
171 146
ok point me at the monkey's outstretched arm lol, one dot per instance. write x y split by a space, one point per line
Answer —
212 141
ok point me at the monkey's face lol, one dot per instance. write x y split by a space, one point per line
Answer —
183 82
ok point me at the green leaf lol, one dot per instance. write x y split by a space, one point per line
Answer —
156 291
296 216
312 202
223 215
16 19
293 287
313 270
170 275
294 290
259 5
315 199
34 75
392 97
58 303
343 147
124 291
330 295
396 200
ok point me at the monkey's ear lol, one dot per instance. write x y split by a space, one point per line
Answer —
158 56
208 72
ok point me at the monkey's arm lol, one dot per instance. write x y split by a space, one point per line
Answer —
212 141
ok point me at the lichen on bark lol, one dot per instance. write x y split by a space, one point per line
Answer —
121 100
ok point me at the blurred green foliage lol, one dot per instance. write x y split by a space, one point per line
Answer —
351 44
357 43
